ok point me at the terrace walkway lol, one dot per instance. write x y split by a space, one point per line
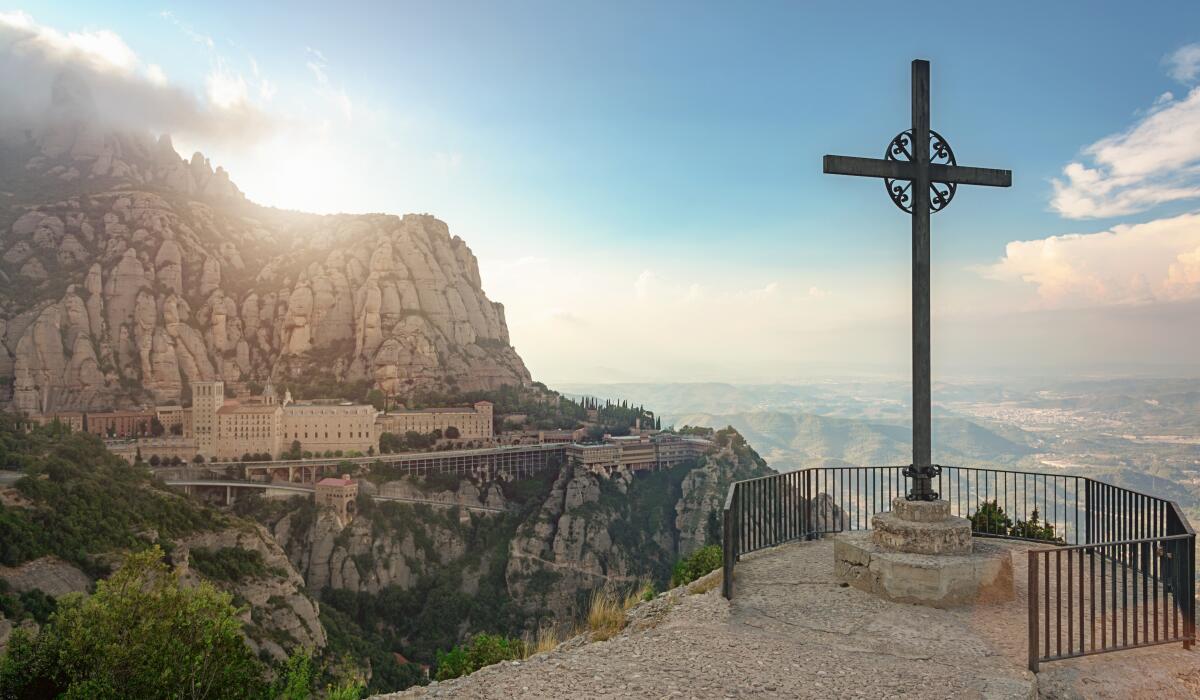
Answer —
792 631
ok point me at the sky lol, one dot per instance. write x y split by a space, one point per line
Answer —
642 184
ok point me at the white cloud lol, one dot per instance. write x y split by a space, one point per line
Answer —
127 91
155 74
1128 264
1157 160
1184 64
226 90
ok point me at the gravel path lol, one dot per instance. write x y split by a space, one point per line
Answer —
792 631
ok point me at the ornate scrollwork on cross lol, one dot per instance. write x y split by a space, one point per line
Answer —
940 153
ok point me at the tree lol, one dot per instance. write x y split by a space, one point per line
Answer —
990 518
452 433
156 427
140 635
376 398
296 450
154 460
1034 528
198 459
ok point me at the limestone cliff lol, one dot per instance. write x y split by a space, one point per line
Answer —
279 614
597 531
127 272
545 551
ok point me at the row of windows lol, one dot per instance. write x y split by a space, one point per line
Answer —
296 436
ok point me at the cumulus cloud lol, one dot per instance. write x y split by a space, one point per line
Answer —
1184 63
1157 160
1128 264
127 91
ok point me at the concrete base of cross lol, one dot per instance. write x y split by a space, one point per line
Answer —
919 553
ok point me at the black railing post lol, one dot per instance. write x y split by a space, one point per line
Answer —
727 540
1033 595
1190 594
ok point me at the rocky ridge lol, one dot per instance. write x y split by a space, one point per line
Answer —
127 272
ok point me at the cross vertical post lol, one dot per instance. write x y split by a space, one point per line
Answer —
921 362
921 176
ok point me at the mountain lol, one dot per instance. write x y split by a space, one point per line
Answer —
798 440
127 272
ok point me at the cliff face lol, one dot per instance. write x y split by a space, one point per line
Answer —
280 616
127 272
581 532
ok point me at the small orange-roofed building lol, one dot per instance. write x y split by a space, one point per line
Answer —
338 493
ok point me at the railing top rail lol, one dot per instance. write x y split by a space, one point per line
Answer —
1118 543
1187 526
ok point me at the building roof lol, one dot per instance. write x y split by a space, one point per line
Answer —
232 407
455 409
335 481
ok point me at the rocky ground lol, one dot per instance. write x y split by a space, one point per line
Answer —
792 631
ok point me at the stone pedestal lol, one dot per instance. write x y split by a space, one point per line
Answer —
919 553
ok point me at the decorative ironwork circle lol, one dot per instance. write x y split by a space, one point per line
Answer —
940 153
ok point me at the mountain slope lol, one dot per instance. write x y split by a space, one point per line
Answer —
796 440
127 272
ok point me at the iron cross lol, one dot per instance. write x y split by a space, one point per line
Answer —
921 176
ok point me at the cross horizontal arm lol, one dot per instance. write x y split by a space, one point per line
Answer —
868 167
961 175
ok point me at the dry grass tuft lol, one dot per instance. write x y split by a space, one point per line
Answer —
546 640
706 583
640 594
606 615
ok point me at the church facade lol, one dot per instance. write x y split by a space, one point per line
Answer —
228 429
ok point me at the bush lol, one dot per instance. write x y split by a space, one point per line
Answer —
482 650
141 635
701 562
229 563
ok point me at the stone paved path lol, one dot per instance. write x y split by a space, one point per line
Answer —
792 631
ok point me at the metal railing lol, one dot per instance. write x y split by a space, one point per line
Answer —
1132 544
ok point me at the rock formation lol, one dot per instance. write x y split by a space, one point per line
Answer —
127 272
279 609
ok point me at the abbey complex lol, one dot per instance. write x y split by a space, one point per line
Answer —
224 429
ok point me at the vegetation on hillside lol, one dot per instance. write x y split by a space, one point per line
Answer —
699 563
231 564
79 501
139 635
479 651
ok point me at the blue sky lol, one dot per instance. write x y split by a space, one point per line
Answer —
657 166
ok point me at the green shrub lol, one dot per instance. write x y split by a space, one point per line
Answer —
702 561
140 635
482 650
229 563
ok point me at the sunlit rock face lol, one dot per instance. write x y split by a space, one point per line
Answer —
127 272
